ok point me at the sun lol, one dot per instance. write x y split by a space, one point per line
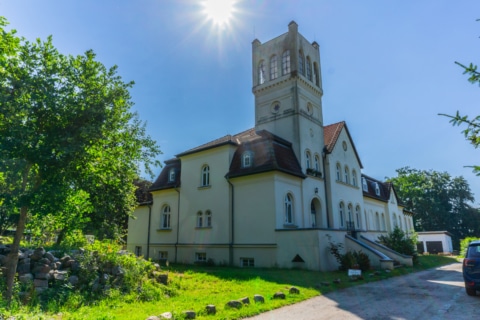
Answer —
219 11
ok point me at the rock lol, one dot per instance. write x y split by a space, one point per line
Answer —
279 295
50 257
234 304
104 278
118 271
160 277
153 318
42 283
44 261
166 315
211 309
23 268
258 298
37 254
294 290
73 280
60 275
25 278
43 276
41 268
245 300
189 314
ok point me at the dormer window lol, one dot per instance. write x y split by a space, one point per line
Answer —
171 175
364 185
377 189
247 159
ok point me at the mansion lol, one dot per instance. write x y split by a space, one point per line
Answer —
273 195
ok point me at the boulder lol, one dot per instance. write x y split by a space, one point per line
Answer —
294 290
25 278
189 314
166 315
245 300
211 309
37 254
258 298
279 295
234 304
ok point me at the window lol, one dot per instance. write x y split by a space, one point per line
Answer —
350 219
342 214
273 67
199 219
200 257
384 224
288 209
138 251
354 178
364 184
309 69
261 73
395 220
163 255
347 175
400 222
205 176
165 223
377 189
358 216
377 221
316 74
208 218
247 262
286 62
301 63
317 163
171 175
247 159
307 159
339 170
313 211
366 219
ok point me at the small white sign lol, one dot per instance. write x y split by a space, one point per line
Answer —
354 272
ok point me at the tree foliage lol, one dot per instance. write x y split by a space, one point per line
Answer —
69 144
439 201
401 242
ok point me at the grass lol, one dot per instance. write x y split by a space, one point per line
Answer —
195 287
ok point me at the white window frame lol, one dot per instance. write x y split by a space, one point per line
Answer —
301 63
163 255
339 172
200 257
308 159
273 67
288 206
364 184
166 216
354 178
261 72
247 159
358 214
317 163
286 62
347 174
309 69
247 262
208 219
138 251
341 211
171 175
205 176
199 219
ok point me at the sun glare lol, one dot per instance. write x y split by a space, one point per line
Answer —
219 11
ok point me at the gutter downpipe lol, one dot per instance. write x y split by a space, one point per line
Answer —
148 231
178 223
327 202
232 227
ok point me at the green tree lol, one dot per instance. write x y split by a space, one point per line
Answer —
439 201
472 132
68 136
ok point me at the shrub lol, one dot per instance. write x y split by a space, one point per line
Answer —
464 245
350 259
400 242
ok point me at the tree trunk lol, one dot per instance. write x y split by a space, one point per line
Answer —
12 258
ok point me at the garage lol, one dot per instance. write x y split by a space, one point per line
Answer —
434 242
434 247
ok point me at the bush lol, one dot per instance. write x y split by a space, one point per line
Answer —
400 242
350 259
464 245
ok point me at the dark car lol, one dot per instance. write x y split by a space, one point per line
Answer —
471 268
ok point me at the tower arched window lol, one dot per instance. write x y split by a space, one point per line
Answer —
341 212
273 67
309 68
286 62
205 176
307 159
165 220
339 172
316 74
347 175
288 209
261 73
301 63
317 163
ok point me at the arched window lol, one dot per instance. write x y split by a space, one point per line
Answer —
358 217
395 220
347 175
309 69
364 184
339 172
286 62
377 189
273 67
261 72
301 63
199 219
171 175
366 219
354 178
205 176
384 224
316 74
349 217
165 221
313 212
307 159
208 218
342 215
377 221
317 163
247 159
288 209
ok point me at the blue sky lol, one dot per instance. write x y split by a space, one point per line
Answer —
387 68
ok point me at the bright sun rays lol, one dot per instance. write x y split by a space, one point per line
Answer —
219 12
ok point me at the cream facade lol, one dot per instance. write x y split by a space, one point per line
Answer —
273 195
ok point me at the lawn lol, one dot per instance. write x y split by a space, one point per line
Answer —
195 287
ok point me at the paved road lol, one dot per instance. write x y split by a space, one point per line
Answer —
436 294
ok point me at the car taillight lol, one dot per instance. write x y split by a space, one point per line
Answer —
468 262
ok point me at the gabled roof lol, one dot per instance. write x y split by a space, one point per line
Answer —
267 152
163 181
331 134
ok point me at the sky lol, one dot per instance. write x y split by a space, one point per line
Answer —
388 68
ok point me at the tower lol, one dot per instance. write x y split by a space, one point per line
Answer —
288 93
